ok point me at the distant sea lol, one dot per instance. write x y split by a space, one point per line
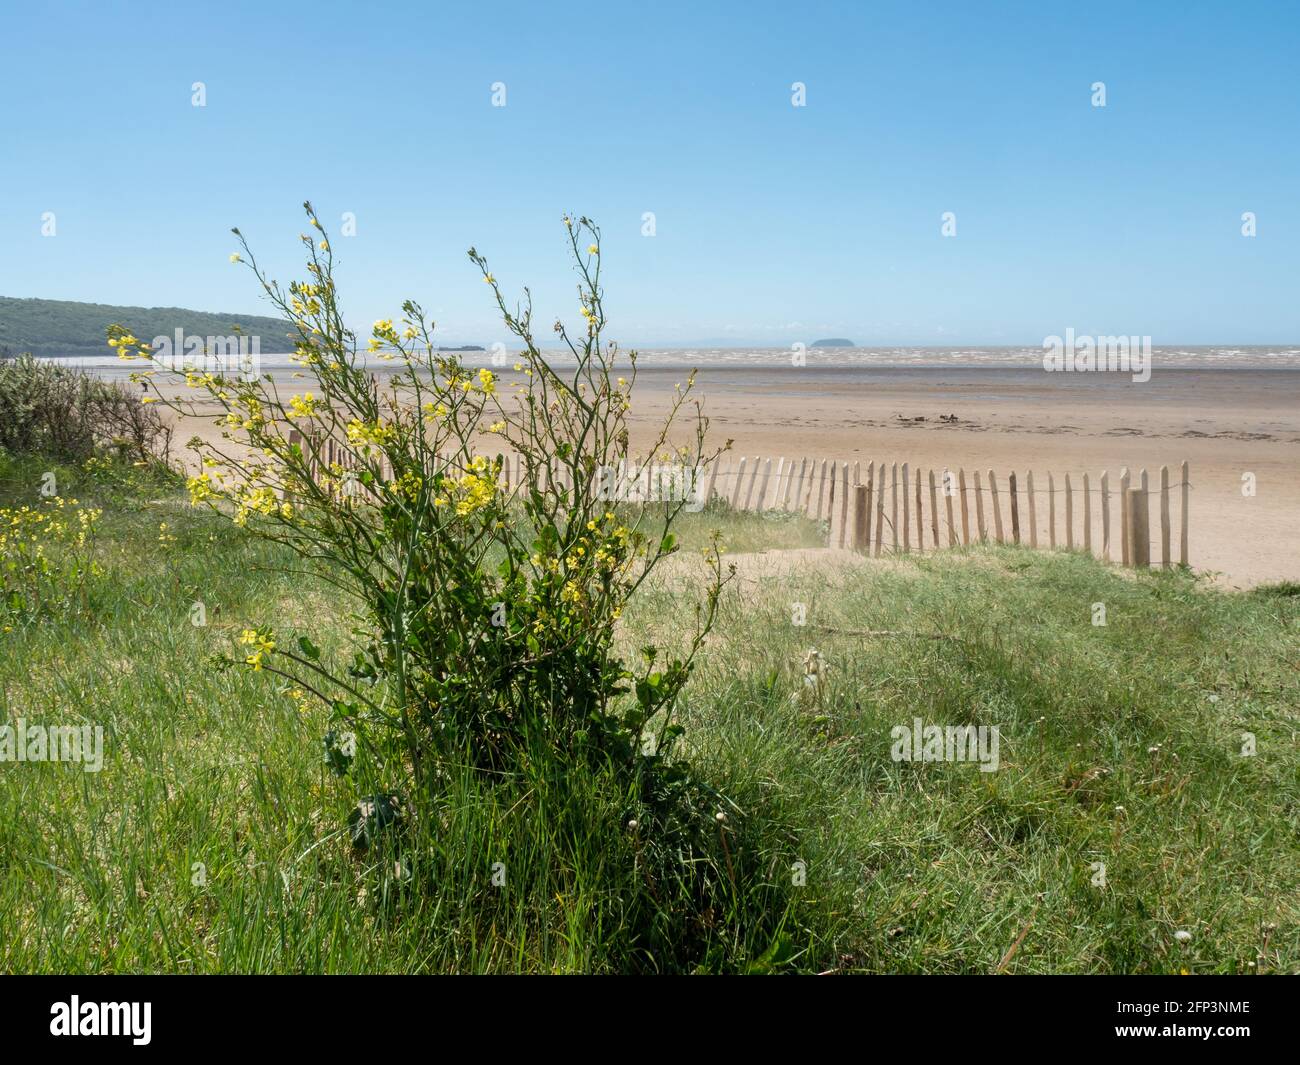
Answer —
1190 357
1257 357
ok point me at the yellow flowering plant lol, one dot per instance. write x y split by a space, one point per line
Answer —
46 559
487 596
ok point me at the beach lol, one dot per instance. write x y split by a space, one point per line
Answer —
1008 415
1224 423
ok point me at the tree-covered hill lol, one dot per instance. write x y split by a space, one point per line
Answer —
57 328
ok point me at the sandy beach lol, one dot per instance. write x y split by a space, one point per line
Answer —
1226 423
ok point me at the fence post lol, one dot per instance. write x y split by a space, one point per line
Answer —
831 498
713 476
948 492
1087 514
1165 560
821 491
1033 508
997 507
1145 485
861 518
775 504
844 503
1126 541
1069 514
893 505
934 512
796 494
1105 515
1139 528
295 437
965 511
920 519
832 493
880 509
979 510
870 486
1182 540
753 480
1051 509
1015 509
907 511
734 499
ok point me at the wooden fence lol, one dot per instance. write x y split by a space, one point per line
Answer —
332 459
875 508
872 507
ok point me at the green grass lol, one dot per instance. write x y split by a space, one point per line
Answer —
909 867
747 530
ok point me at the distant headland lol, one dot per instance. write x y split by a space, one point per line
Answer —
833 342
68 328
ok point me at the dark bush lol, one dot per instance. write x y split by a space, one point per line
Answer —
69 415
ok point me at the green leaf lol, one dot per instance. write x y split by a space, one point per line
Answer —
309 649
338 756
778 954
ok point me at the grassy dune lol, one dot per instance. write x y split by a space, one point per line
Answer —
214 840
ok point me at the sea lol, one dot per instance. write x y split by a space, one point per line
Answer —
1184 357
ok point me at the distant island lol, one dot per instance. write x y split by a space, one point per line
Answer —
833 342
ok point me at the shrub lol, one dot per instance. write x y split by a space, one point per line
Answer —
486 610
68 415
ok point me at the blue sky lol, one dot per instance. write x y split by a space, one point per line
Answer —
774 224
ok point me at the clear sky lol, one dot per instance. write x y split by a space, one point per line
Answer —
774 223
